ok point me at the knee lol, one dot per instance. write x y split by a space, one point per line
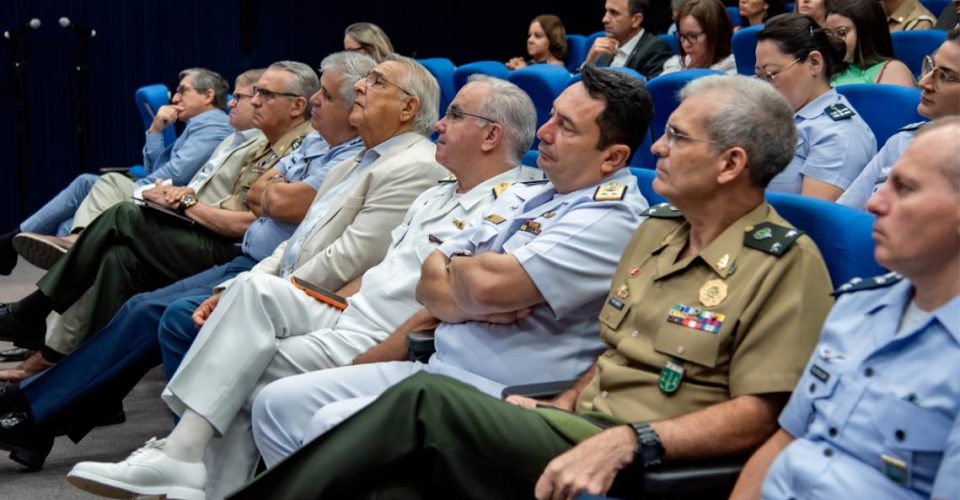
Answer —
176 324
85 181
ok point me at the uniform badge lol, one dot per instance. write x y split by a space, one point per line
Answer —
296 143
839 111
529 226
748 229
696 318
723 262
895 469
458 222
494 218
433 239
623 292
763 233
633 272
500 188
548 214
611 191
713 292
670 377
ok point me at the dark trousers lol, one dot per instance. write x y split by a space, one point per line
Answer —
125 251
104 369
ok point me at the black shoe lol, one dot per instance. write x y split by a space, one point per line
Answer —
26 441
29 334
8 260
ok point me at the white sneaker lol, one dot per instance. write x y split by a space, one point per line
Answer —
147 471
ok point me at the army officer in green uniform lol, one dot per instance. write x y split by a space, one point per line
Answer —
712 313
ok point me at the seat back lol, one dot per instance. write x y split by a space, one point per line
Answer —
543 83
442 69
886 108
734 13
492 68
911 46
744 43
664 88
577 49
671 40
530 158
148 99
645 178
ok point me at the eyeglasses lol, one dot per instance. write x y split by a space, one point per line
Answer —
771 76
840 31
376 79
688 38
455 114
182 89
238 97
674 137
267 95
939 76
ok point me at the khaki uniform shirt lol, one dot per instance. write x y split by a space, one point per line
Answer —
258 161
737 319
911 16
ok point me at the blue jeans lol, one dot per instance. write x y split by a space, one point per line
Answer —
56 217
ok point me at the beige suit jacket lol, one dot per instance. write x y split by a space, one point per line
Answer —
216 187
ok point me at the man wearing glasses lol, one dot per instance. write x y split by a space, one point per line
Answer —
939 98
199 102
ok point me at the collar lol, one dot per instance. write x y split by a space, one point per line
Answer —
246 135
282 145
904 10
627 48
815 107
481 191
398 141
898 295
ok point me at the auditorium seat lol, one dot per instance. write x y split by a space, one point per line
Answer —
492 68
744 45
671 40
149 98
543 83
911 46
442 69
886 108
664 88
577 49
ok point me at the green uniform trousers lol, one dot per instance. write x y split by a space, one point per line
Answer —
125 251
427 437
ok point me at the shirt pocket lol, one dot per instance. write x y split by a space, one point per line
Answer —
913 434
690 344
613 313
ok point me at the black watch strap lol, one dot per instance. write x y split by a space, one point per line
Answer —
649 449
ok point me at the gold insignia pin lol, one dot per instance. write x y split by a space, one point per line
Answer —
713 292
549 214
611 191
623 292
748 229
494 218
457 221
500 188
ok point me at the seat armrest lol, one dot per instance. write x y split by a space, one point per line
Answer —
539 390
420 346
681 479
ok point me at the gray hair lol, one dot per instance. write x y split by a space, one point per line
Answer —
751 114
511 107
372 38
420 83
249 77
351 67
948 164
204 80
305 82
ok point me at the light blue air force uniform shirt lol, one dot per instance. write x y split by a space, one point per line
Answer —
829 150
182 159
876 172
309 163
569 245
875 413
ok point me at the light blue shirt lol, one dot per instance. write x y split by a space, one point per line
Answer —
309 163
831 151
875 173
570 250
181 160
872 398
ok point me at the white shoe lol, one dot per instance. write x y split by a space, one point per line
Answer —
147 471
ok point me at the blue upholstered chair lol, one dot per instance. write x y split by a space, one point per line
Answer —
911 46
149 99
442 69
491 68
935 6
744 44
884 107
543 83
734 13
577 49
530 158
671 40
664 88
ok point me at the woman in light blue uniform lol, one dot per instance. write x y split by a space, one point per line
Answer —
833 142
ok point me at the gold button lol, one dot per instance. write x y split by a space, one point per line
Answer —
680 350
604 394
634 334
748 229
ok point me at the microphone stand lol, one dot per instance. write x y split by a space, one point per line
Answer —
22 121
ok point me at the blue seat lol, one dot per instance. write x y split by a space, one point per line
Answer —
911 46
442 69
530 158
884 107
664 88
734 13
577 49
492 68
149 99
645 178
744 43
543 83
789 6
935 6
671 40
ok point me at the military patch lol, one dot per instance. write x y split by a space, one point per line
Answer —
858 284
296 143
529 226
839 111
662 211
895 469
494 218
770 238
671 375
696 318
712 293
611 191
500 188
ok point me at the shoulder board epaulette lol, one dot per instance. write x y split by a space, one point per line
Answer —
297 142
663 211
500 188
610 191
770 238
858 284
912 126
534 182
448 179
839 111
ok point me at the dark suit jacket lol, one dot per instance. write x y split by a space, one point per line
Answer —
647 57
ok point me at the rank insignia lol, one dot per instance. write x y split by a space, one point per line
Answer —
500 188
713 292
763 233
895 469
494 218
771 238
296 143
670 377
611 191
839 111
723 262
549 214
623 292
662 211
458 222
696 318
529 226
433 239
448 179
633 272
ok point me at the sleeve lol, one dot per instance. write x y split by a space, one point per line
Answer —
317 170
154 152
861 188
838 151
573 260
780 326
947 482
653 65
190 152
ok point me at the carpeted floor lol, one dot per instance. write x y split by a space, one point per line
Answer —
147 416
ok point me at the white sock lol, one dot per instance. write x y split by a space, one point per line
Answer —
189 438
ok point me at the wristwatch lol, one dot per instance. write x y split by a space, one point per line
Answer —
458 253
649 449
187 201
